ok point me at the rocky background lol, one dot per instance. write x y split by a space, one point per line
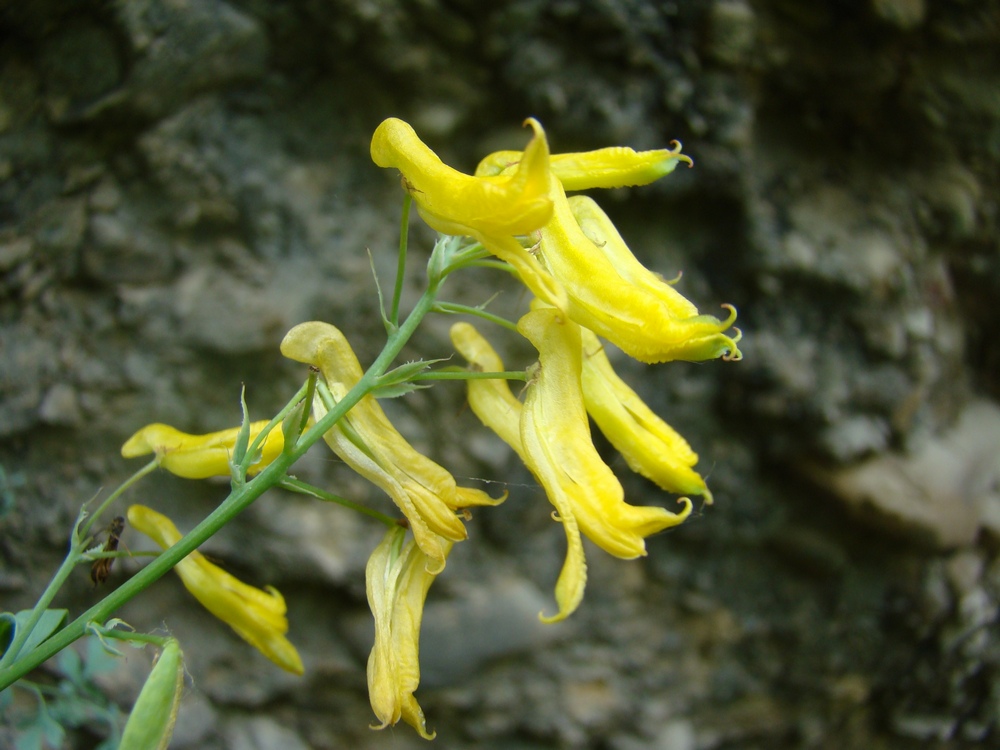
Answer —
181 181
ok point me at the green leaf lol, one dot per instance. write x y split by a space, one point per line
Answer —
47 624
408 371
101 658
71 665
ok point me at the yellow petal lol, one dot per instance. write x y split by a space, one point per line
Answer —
199 456
489 399
612 167
397 579
496 407
366 440
257 616
490 209
649 445
598 228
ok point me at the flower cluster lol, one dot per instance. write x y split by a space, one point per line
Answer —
587 283
587 286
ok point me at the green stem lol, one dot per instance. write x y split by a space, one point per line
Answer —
147 469
295 485
239 499
469 375
80 540
454 308
278 418
404 232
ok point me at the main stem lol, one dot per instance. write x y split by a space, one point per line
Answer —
239 499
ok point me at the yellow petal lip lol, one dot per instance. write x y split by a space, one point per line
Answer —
257 616
199 456
455 203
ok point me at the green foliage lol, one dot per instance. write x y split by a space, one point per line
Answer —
74 701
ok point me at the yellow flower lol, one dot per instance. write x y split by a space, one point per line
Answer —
649 445
365 439
199 456
257 616
490 209
553 439
612 167
555 434
605 287
397 578
612 305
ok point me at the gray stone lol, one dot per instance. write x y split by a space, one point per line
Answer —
185 47
123 250
942 491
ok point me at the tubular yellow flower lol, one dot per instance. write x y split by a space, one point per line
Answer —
606 289
496 407
614 167
649 445
199 456
365 439
490 209
625 313
397 578
257 616
556 438
552 436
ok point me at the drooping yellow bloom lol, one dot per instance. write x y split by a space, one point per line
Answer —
552 436
614 167
257 616
199 456
612 306
490 209
649 445
496 407
397 579
555 434
366 440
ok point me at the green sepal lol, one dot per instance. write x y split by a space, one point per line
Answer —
397 381
243 436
